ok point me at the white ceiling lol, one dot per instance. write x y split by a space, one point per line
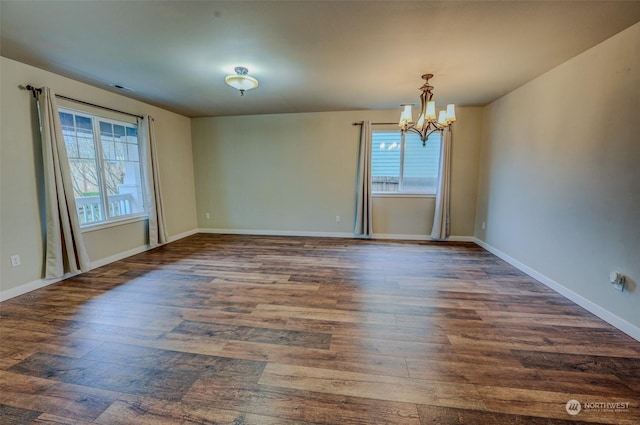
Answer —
307 55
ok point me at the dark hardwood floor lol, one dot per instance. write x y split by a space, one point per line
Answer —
220 329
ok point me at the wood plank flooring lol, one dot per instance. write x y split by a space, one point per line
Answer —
222 329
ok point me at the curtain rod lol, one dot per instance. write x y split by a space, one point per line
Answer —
35 90
376 123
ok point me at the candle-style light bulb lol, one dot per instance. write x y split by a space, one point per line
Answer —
451 113
431 111
405 117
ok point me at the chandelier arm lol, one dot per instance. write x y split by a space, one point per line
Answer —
440 129
429 130
424 98
416 131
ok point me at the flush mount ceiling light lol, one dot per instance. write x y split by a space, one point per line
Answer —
427 123
241 81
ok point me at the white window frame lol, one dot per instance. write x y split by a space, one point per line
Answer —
401 193
108 221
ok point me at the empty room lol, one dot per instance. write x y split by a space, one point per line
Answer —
319 212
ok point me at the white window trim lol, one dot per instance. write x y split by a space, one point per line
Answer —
120 220
402 195
401 173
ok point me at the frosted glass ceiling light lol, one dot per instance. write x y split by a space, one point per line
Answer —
241 81
427 123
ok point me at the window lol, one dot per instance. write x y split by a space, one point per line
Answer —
400 164
104 157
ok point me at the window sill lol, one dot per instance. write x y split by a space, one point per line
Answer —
402 195
113 223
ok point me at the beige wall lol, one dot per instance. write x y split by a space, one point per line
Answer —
559 185
21 215
297 172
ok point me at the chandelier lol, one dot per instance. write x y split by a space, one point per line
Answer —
241 81
427 122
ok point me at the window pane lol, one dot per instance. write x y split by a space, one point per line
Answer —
121 169
108 150
421 164
132 152
86 147
120 151
84 173
78 136
66 119
106 129
385 161
72 146
118 130
84 123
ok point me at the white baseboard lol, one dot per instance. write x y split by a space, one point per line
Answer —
276 233
30 286
461 239
182 235
138 250
41 283
389 236
395 236
401 237
119 256
616 321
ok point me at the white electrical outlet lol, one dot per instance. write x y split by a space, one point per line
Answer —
484 225
15 260
207 216
337 219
